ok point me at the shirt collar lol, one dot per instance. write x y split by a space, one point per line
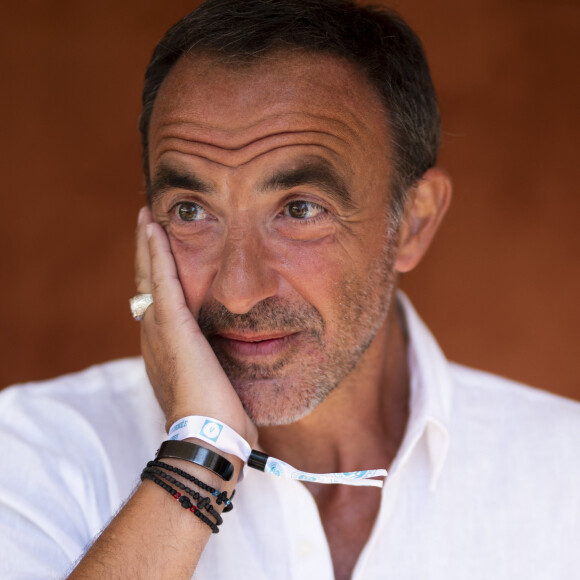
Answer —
430 394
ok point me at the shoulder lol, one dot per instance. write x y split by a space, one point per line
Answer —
114 376
504 412
106 415
111 388
512 396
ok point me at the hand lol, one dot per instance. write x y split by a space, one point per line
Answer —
183 369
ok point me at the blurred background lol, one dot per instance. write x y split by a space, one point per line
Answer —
500 286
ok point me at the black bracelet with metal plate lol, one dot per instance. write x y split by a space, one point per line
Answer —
197 454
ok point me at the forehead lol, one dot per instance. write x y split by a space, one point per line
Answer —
233 113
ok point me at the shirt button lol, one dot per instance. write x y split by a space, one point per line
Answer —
304 550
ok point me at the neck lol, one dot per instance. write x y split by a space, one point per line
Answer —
361 423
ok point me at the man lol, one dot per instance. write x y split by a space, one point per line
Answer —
290 151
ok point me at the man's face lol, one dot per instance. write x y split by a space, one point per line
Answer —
272 183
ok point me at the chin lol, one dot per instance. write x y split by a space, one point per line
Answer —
271 403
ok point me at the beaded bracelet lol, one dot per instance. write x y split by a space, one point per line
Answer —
182 499
221 496
202 502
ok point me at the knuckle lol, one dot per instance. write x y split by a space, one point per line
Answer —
140 281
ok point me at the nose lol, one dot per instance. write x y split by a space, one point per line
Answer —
244 275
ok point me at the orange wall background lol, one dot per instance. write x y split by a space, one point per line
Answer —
500 286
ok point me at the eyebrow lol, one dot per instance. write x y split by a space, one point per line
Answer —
316 172
168 177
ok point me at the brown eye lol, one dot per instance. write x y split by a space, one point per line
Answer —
303 209
188 211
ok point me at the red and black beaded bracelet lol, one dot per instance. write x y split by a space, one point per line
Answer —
182 499
221 496
202 502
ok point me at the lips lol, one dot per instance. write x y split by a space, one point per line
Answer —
257 345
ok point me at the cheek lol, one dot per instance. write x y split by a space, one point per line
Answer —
196 267
315 271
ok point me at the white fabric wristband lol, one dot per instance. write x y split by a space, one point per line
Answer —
228 441
213 432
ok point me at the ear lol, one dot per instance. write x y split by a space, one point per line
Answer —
428 202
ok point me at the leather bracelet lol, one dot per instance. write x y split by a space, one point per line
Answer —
198 455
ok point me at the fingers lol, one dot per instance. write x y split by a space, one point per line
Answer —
155 270
168 296
142 259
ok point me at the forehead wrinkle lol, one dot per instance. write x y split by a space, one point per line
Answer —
227 136
238 165
275 124
235 157
196 137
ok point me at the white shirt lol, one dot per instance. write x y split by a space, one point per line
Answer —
486 483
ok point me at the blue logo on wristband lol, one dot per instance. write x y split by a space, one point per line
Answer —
177 426
211 430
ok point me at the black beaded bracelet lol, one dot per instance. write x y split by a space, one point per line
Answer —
202 502
221 496
197 454
182 499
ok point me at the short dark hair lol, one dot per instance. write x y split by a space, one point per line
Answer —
374 39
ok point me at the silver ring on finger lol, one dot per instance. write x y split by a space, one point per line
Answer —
139 304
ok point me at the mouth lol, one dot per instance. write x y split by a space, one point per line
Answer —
254 345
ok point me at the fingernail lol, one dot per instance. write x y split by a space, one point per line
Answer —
148 230
140 216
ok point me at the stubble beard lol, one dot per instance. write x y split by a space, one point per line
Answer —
292 386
